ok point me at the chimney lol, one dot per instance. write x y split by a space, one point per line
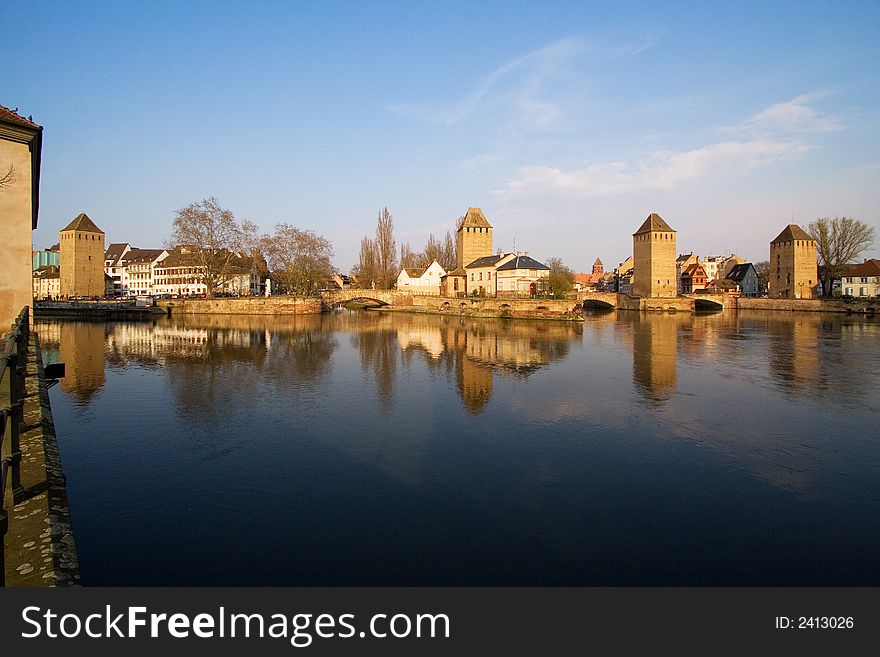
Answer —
526 254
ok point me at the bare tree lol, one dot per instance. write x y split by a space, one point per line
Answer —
300 260
386 251
365 270
433 251
763 270
839 242
408 258
8 178
214 239
450 255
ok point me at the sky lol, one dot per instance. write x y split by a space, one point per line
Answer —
568 123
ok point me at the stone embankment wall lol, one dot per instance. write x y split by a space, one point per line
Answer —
39 546
276 305
808 305
492 307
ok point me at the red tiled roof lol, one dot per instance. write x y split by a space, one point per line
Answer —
867 268
11 116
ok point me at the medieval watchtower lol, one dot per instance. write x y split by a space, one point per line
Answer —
473 238
654 259
793 264
82 258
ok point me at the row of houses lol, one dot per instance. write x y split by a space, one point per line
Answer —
80 266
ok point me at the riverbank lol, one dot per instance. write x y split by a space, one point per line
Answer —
39 546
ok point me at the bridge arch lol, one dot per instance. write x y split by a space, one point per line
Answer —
707 304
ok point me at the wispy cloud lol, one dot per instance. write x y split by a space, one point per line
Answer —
522 77
794 115
765 139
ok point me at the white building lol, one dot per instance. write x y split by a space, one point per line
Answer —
421 281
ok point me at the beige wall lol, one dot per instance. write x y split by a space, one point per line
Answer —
82 263
473 243
793 269
16 215
654 258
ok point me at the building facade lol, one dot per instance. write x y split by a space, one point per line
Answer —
746 278
654 257
47 283
861 280
82 259
421 280
793 264
693 279
20 150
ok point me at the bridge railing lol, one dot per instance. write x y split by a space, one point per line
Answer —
13 370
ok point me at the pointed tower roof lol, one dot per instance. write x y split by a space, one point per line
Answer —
654 222
475 219
83 224
598 262
791 233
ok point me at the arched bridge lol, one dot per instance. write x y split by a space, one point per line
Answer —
598 299
370 297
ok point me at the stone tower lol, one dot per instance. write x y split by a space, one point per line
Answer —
654 259
473 238
82 258
793 264
598 268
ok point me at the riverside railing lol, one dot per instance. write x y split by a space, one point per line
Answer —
13 370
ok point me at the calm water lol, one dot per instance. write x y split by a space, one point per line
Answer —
377 449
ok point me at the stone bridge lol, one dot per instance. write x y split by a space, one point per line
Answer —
592 299
374 297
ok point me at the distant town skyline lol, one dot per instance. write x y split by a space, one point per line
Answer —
567 124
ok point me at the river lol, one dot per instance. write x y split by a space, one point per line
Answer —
367 448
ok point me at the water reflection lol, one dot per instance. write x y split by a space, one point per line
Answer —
374 448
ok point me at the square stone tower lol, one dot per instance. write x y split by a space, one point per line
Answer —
654 259
794 271
473 237
82 258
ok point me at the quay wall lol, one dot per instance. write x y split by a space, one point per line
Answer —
276 305
490 307
808 305
39 547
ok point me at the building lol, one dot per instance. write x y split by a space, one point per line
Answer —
114 262
682 262
82 258
20 150
47 283
623 276
506 275
592 280
793 264
423 280
654 258
182 273
473 237
518 275
745 276
718 267
138 271
693 279
861 280
47 257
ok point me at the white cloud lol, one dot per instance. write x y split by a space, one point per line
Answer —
794 115
664 170
764 139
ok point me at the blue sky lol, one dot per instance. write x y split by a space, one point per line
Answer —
567 123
